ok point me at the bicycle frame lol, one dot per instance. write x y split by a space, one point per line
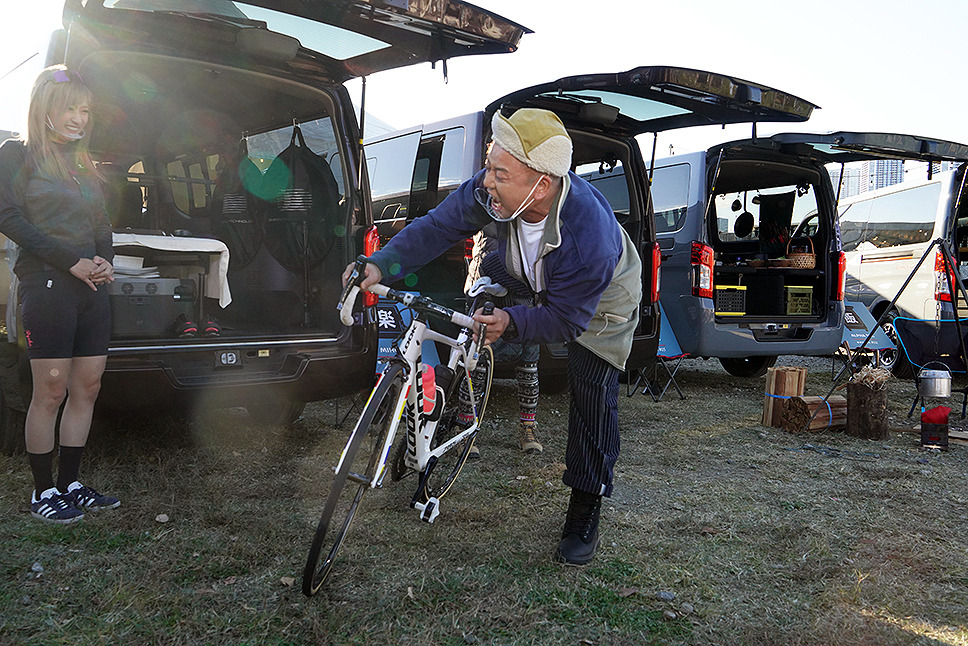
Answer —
421 429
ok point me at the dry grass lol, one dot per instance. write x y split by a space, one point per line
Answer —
770 537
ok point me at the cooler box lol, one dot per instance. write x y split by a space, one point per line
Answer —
148 307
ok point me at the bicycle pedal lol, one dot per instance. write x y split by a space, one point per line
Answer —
428 510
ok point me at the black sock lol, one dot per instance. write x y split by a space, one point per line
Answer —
68 466
42 470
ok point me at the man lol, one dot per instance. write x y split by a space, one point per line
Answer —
558 238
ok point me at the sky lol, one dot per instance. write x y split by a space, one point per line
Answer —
871 65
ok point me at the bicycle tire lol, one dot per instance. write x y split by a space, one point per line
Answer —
354 476
441 478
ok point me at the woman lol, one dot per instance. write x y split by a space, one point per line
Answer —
52 207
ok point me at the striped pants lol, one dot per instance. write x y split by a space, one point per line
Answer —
593 437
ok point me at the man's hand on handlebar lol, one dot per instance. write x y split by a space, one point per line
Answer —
496 323
372 275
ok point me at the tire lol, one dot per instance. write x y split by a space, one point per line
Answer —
901 367
747 367
443 474
361 460
279 413
554 384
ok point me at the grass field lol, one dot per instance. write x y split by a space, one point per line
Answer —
720 531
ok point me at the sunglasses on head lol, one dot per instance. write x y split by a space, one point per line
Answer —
66 76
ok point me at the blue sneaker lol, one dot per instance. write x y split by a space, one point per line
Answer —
54 507
86 498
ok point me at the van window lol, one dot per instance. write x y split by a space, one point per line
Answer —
767 217
451 159
390 165
319 135
192 182
904 217
670 197
610 180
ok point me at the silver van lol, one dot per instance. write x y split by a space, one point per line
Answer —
754 264
740 282
196 104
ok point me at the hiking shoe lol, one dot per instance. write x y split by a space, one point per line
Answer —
527 441
185 328
473 453
579 539
84 497
54 507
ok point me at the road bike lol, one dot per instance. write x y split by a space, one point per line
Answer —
440 406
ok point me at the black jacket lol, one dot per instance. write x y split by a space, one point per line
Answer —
54 222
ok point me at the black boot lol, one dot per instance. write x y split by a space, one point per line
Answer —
579 540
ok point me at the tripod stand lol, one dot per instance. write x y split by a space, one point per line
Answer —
949 269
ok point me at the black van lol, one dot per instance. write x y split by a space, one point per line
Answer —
231 147
604 114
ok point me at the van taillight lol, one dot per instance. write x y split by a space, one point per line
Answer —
371 244
942 283
656 267
841 276
702 270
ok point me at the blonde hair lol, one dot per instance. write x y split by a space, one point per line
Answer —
55 90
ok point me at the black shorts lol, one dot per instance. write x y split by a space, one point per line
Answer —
63 317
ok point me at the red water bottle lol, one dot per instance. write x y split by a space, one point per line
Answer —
429 388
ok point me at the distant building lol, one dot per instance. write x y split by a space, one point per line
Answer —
868 176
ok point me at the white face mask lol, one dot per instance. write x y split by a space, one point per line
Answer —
485 200
76 136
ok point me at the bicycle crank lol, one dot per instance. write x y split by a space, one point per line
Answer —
428 510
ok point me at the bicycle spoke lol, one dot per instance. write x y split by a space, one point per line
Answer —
449 465
360 462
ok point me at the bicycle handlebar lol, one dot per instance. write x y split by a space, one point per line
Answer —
423 304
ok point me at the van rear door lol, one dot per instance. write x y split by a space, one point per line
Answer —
350 38
602 108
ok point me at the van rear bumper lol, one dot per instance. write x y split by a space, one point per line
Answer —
184 379
762 337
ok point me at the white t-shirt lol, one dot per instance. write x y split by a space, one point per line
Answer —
529 240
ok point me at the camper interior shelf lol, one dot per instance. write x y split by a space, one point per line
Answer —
213 252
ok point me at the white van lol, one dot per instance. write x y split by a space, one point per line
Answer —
886 233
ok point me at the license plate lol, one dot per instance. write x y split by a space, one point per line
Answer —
228 359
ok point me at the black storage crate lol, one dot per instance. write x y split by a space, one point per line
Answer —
148 307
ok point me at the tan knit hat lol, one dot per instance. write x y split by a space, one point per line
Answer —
536 138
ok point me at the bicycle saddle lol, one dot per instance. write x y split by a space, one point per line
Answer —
483 285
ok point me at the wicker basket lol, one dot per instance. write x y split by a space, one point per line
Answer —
800 259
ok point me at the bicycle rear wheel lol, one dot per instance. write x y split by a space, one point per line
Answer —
361 460
449 465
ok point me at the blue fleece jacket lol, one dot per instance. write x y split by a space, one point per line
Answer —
591 272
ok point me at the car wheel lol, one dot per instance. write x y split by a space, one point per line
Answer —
747 366
279 413
900 366
553 384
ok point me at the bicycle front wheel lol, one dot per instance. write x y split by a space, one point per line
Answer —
441 478
360 462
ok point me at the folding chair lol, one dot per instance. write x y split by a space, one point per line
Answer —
662 374
932 344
